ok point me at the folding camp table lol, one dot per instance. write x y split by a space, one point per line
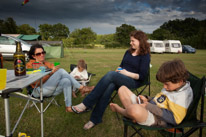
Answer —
13 86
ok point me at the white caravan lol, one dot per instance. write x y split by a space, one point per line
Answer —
156 46
173 46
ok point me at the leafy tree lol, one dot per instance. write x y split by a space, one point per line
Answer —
162 34
60 31
182 28
26 29
122 34
68 42
53 32
8 26
83 36
103 39
45 31
2 27
189 31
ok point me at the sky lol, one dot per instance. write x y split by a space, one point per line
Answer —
103 16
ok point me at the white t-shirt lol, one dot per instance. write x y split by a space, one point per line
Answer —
83 75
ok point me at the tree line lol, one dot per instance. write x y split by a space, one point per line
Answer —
189 31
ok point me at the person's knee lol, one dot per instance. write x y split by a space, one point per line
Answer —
66 82
110 74
132 111
61 70
121 89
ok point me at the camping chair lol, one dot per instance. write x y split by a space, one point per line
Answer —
146 83
72 66
49 99
190 121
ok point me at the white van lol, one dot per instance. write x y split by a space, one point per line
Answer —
156 46
173 46
8 46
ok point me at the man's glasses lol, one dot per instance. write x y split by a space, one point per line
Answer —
39 54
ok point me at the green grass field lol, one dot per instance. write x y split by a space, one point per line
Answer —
58 123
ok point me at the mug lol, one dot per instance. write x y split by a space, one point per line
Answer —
3 78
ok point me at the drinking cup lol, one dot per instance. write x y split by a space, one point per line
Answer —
3 78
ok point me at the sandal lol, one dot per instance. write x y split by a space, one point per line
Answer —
89 125
79 112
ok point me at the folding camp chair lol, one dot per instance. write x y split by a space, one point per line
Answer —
190 121
72 66
49 99
146 83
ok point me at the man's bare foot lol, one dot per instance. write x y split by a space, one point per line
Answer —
114 107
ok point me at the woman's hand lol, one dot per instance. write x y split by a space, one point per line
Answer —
54 69
124 72
117 69
129 74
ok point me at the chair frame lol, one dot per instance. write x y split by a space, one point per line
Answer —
194 125
51 101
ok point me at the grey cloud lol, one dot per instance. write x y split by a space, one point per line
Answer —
101 13
182 5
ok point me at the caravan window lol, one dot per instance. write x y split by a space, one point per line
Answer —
159 45
175 45
150 44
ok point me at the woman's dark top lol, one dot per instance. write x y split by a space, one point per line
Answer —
136 64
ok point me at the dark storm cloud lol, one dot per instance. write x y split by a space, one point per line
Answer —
103 16
182 5
57 9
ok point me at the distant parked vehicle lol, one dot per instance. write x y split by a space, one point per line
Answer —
188 49
173 46
8 46
156 46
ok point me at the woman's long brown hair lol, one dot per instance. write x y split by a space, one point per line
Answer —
144 45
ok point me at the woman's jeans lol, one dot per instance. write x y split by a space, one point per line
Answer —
58 82
102 92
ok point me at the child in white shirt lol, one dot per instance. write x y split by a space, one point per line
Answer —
80 74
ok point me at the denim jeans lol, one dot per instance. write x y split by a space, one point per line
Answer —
58 82
102 92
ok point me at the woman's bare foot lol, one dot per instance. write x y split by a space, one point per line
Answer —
85 89
69 109
114 107
74 94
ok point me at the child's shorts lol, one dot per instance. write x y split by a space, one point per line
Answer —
150 118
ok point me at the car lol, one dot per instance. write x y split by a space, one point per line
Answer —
8 46
188 49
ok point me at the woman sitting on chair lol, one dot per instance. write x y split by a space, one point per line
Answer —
131 73
58 79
